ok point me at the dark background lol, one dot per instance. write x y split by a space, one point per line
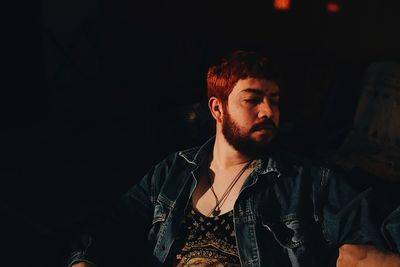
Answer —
94 92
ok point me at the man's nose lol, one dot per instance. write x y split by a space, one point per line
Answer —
265 110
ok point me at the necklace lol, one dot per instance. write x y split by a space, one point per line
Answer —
220 202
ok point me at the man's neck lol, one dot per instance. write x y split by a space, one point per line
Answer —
225 155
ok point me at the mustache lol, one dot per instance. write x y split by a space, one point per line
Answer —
267 124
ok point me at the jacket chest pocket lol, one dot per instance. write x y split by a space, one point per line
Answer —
291 235
301 240
288 233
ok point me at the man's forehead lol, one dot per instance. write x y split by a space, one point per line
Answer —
256 85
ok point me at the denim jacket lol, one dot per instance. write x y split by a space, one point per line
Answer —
289 212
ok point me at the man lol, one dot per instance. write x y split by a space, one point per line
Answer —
240 201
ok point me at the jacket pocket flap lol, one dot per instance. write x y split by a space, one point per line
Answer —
160 213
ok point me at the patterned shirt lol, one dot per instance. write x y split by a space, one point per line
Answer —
205 241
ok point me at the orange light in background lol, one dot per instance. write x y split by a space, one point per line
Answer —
282 5
332 7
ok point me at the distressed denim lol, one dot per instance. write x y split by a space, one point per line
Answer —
290 212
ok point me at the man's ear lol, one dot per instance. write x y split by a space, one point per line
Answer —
215 106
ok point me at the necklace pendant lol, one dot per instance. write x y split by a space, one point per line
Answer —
216 212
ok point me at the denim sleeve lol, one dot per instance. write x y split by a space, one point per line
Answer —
353 214
120 235
391 229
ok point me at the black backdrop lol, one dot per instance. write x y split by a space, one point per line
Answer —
95 92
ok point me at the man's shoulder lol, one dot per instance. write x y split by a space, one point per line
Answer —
288 157
292 161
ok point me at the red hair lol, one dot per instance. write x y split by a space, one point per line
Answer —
221 78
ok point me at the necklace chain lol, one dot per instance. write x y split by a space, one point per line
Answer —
220 202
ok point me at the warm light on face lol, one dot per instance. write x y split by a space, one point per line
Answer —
282 5
333 7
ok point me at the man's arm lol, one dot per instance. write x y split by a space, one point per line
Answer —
359 220
366 256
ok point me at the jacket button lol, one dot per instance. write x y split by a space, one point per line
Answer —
162 247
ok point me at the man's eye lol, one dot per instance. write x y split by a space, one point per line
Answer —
275 103
252 100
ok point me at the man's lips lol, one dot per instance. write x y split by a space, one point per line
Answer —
265 131
264 127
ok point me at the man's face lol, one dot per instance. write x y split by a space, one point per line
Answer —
251 116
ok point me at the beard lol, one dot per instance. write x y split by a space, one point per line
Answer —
243 142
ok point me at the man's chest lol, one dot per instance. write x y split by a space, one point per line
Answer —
218 191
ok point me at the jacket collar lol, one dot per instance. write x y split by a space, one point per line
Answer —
195 156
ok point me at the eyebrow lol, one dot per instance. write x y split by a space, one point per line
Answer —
260 92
